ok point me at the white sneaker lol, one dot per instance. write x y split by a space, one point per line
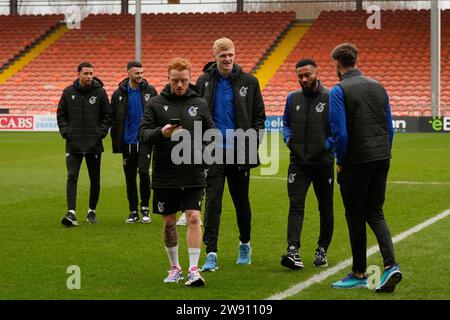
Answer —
182 220
146 216
194 279
175 275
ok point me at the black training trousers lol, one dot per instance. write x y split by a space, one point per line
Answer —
73 163
300 178
363 188
238 185
136 162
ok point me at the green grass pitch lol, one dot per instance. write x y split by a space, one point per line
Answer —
119 261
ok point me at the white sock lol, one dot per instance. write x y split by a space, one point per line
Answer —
172 253
194 255
72 211
248 243
90 210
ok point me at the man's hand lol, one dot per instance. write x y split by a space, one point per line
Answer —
168 130
338 168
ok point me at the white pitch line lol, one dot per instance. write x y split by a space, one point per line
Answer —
346 263
389 182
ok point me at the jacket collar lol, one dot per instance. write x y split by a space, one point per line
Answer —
123 85
351 73
235 72
96 83
316 92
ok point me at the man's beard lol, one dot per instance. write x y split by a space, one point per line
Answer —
309 91
339 75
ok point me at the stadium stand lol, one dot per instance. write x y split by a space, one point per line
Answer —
397 55
19 32
108 42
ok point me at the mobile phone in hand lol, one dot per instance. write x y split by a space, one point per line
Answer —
175 121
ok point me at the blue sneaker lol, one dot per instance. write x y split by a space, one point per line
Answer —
210 263
350 282
245 253
390 278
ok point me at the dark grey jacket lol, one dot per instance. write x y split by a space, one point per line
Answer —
84 116
190 109
366 108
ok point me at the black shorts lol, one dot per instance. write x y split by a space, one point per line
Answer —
170 201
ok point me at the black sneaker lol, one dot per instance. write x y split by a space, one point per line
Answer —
133 217
320 257
292 259
91 218
69 220
146 216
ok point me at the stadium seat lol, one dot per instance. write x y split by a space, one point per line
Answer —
253 34
397 55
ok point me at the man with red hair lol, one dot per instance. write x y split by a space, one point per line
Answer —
177 186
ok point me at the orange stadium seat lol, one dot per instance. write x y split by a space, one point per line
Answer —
18 32
397 55
253 34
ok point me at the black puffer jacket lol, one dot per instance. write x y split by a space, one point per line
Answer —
84 116
190 109
119 104
248 102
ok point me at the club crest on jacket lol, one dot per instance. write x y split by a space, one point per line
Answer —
243 91
193 111
320 107
291 178
92 99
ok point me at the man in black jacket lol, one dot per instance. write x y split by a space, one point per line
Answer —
305 132
235 100
361 124
178 178
127 104
83 117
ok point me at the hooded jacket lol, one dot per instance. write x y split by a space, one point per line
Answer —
84 116
119 104
248 102
190 109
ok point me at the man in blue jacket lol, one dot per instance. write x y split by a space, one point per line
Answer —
235 101
128 102
361 126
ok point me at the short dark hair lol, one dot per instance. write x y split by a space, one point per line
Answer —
305 62
84 65
346 54
134 64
